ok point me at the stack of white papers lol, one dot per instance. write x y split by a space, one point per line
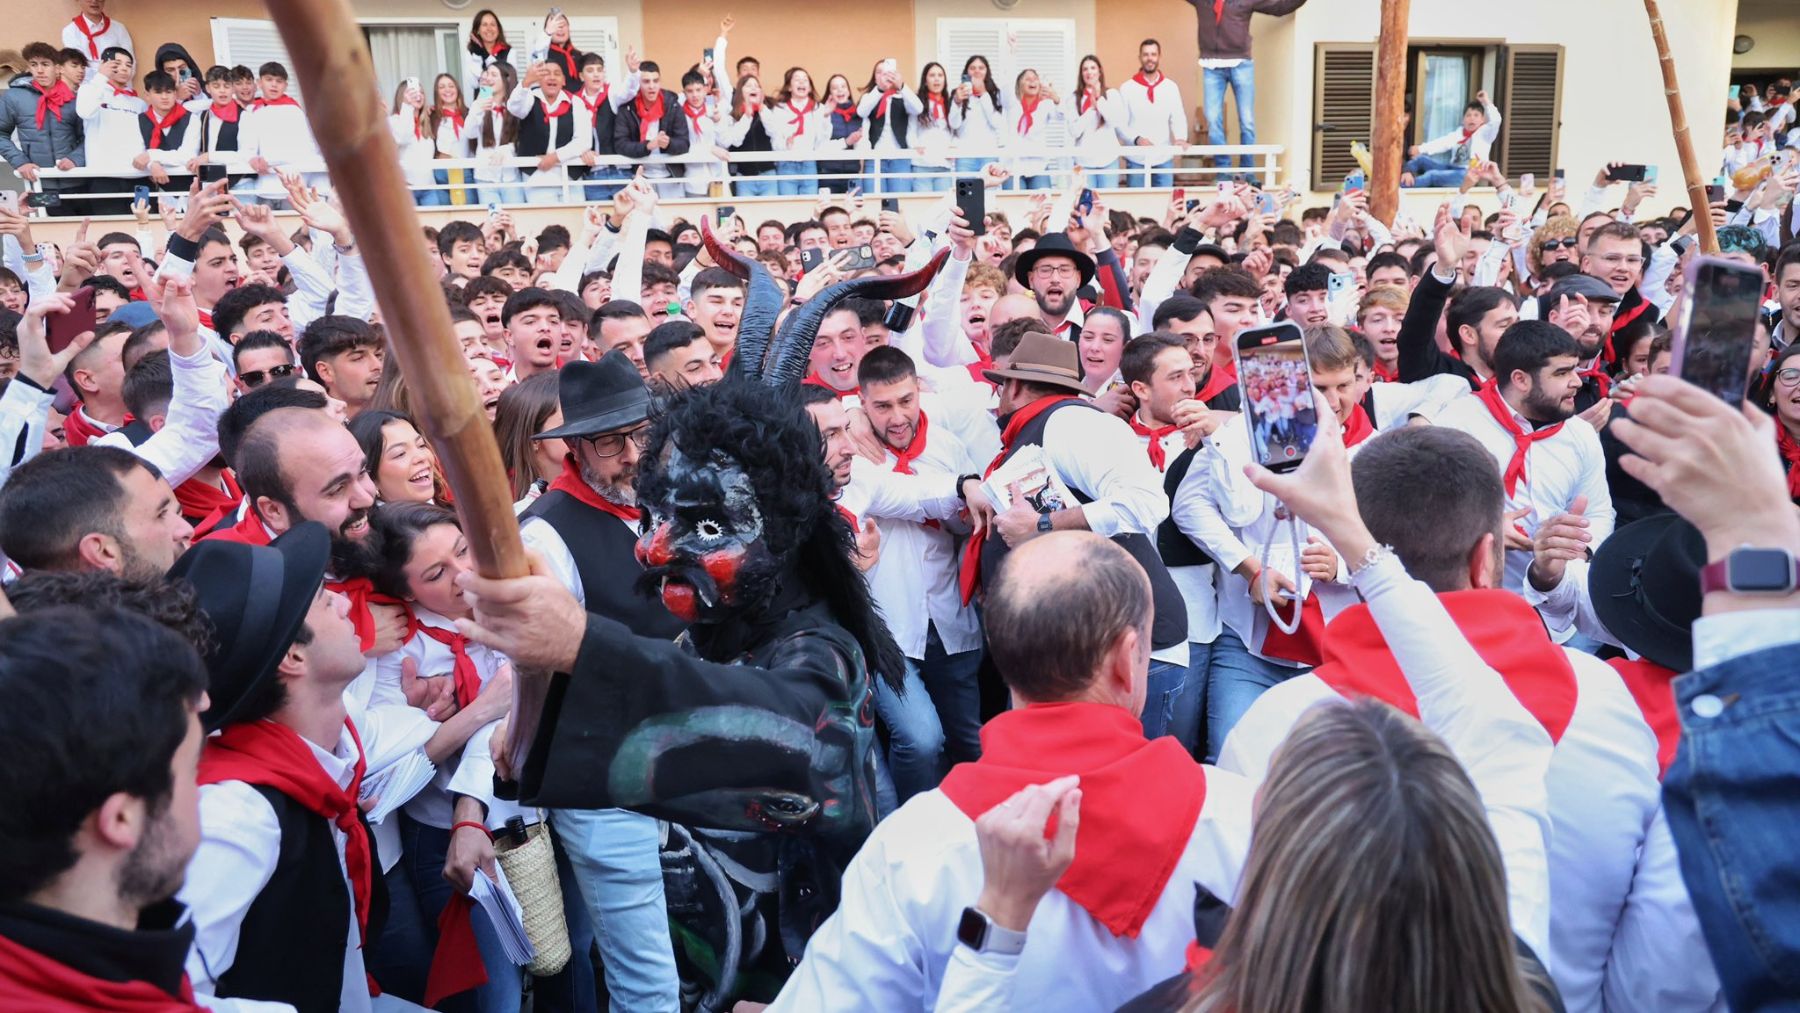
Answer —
396 784
502 908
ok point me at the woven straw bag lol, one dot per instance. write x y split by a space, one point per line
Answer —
531 871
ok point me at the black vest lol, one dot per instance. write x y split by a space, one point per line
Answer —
605 556
755 139
842 127
534 136
171 138
1175 547
878 123
292 940
228 133
1170 625
603 126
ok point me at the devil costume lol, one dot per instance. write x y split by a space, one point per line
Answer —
753 734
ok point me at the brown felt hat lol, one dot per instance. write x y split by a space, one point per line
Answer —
1042 358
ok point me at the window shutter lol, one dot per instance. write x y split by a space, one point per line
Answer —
961 38
1343 109
589 34
1048 47
251 42
1530 100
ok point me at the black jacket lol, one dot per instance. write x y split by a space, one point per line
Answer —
628 130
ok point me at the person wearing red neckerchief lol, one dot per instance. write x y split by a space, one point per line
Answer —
1185 317
837 351
92 923
1585 306
1547 456
803 130
109 109
92 32
652 128
170 136
597 103
890 108
1054 271
1096 113
410 127
1157 117
274 134
40 109
1473 140
1034 104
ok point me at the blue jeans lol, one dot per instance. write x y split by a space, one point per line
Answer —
1147 176
500 194
937 182
790 186
1241 79
887 184
1172 703
1429 171
1040 181
1103 179
754 186
613 859
971 166
1733 800
602 182
570 989
915 735
956 694
1234 679
434 198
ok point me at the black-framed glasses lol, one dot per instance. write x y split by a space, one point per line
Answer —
613 444
257 377
1788 377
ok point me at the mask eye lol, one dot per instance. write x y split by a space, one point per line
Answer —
709 529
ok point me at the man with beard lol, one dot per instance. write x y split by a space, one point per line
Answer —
1550 461
1187 318
585 528
1585 306
91 508
1054 270
86 920
297 465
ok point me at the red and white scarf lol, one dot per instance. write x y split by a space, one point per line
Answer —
80 24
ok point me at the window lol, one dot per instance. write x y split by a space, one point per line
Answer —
251 42
1343 109
1442 80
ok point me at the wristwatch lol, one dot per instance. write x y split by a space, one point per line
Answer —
1750 570
1044 525
979 933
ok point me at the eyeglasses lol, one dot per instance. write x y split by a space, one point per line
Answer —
1561 244
1055 271
613 444
1788 377
257 377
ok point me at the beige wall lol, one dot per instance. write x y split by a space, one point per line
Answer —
1775 25
816 34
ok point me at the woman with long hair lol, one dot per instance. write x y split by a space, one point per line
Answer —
487 46
1034 108
846 131
554 45
445 122
751 128
413 137
932 137
1096 115
399 459
977 115
889 107
802 131
493 131
526 409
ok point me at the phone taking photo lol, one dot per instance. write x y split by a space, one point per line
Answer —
1715 327
971 200
1276 385
60 329
725 213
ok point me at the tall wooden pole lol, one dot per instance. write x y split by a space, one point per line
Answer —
1684 144
349 121
1388 145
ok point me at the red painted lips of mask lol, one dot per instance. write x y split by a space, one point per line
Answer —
681 600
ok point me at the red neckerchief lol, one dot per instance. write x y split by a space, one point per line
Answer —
800 116
418 122
127 92
157 127
567 52
1085 100
1217 382
881 107
1651 686
1158 456
1306 644
1522 440
205 318
694 115
845 112
969 572
455 116
1218 12
1028 107
598 101
1624 320
648 113
936 107
468 678
40 984
1600 376
271 755
1140 799
903 459
570 481
265 103
815 380
1385 372
361 592
563 106
198 499
978 370
79 430
225 112
1468 134
52 101
80 24
250 530
844 512
1790 455
1148 87
1502 628
1357 427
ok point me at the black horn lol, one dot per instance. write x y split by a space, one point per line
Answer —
789 359
762 303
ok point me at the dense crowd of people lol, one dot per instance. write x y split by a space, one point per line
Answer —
1254 607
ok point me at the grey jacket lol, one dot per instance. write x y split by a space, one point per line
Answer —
58 138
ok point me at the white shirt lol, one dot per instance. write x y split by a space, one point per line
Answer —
1557 470
472 131
189 437
1036 134
978 123
1196 583
581 138
1397 402
915 578
1162 121
109 118
115 35
542 539
183 152
418 147
280 135
1099 456
903 104
1461 149
1096 131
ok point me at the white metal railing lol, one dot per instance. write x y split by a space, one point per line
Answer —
1190 165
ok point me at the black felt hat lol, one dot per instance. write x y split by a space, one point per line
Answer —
1053 244
1645 585
599 397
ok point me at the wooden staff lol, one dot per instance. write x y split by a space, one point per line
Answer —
1388 145
349 121
1684 144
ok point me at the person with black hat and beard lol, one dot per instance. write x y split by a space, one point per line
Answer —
1055 272
585 526
1584 306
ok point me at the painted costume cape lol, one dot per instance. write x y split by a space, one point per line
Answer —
752 734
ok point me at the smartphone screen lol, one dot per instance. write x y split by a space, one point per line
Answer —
1562 174
62 328
971 199
1717 327
211 172
1277 394
1626 174
1528 181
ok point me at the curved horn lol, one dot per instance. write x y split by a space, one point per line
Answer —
762 303
789 359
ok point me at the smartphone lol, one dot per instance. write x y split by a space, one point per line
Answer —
1266 204
1527 180
211 172
811 258
1649 173
971 200
1562 174
862 258
493 209
726 211
1085 203
891 65
43 200
140 193
1179 193
968 79
1337 284
62 328
1355 181
1715 192
484 92
9 200
1717 327
890 204
1732 207
1277 395
1632 173
707 52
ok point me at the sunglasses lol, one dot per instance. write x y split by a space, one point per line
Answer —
1561 244
257 377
